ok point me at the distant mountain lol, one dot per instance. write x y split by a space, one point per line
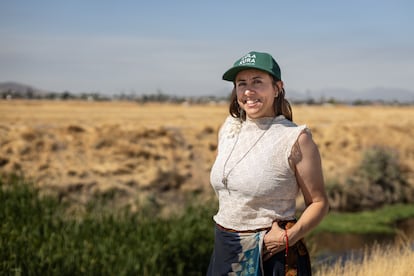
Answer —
294 95
389 94
372 94
14 86
20 89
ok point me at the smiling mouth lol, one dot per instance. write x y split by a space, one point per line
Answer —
251 101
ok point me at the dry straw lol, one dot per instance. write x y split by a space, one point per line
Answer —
378 260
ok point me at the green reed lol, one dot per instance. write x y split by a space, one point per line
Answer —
37 238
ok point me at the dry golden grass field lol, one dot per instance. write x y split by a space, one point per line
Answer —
132 151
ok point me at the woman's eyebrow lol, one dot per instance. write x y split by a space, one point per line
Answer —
257 77
254 78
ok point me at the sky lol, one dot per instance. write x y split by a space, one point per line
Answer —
183 47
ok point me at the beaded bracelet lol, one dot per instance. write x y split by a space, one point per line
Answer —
286 251
287 243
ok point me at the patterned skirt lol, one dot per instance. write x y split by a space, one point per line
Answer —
241 254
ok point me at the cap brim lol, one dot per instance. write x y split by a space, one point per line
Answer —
230 75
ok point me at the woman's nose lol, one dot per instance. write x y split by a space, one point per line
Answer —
249 91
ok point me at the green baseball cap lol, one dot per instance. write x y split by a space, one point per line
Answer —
254 60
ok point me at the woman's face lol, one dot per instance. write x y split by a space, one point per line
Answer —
256 93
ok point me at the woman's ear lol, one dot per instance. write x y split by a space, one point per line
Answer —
279 85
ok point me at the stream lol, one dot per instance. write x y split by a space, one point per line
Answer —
330 247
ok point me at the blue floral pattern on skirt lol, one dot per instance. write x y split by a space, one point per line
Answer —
237 254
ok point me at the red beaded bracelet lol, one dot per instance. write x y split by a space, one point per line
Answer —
286 251
287 243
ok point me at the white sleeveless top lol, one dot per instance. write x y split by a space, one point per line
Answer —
261 186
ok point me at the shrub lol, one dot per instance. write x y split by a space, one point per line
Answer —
36 238
380 165
377 181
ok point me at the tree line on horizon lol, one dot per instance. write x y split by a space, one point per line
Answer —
29 93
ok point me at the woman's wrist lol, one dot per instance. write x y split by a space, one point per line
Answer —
291 236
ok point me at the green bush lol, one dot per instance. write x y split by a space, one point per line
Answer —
381 165
378 180
37 238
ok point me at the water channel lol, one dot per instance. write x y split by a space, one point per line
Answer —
329 247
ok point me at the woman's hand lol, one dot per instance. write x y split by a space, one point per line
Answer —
274 241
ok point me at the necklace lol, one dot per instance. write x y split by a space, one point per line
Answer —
224 180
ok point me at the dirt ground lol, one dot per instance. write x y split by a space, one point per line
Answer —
134 151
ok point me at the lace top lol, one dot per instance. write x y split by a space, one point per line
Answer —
261 187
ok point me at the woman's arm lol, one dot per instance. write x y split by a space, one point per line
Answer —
306 161
308 169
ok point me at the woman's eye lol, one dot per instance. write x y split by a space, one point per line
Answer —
241 84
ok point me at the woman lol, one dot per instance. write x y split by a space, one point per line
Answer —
263 160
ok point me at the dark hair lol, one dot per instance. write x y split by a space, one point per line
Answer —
280 104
